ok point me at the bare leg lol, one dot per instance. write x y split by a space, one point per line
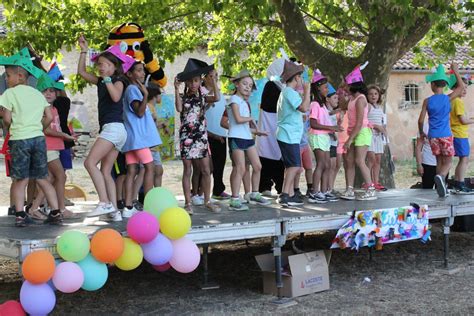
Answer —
256 167
238 171
148 178
360 155
186 180
106 169
138 182
158 175
131 173
98 151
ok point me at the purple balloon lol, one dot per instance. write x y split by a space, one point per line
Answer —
37 299
142 227
158 251
186 255
68 277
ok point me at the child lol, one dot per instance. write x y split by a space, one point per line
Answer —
154 97
306 160
54 144
26 114
319 139
332 100
290 128
359 137
438 107
425 160
459 127
192 132
375 116
141 135
110 86
241 141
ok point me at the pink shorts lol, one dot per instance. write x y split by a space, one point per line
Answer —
143 156
442 146
306 159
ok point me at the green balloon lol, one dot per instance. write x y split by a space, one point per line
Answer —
159 199
73 245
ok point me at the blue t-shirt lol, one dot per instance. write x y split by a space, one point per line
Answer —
439 108
109 111
141 131
290 121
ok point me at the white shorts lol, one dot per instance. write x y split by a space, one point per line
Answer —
377 144
52 155
114 133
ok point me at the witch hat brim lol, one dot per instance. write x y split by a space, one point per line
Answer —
194 68
23 60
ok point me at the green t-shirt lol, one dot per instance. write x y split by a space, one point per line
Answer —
27 107
290 120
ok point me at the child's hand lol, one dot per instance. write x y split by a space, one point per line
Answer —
260 133
454 67
347 145
338 128
69 137
82 43
420 170
177 83
307 87
143 89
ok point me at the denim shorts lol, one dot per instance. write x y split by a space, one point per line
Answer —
114 133
156 158
29 158
240 143
290 154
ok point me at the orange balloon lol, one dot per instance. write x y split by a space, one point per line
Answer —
107 245
38 267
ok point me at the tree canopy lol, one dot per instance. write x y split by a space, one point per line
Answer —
333 35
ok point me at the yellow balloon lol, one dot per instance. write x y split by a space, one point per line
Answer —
131 257
175 222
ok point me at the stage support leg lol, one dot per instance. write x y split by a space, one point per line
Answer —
206 285
446 231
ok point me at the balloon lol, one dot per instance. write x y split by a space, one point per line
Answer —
157 200
158 251
37 299
73 245
11 308
142 227
131 257
175 223
68 277
107 245
186 255
95 273
163 268
38 267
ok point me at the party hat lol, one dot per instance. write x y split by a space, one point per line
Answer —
356 74
439 74
331 90
22 59
317 76
127 61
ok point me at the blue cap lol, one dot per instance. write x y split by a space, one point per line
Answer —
331 90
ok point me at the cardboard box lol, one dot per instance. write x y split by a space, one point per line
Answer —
302 274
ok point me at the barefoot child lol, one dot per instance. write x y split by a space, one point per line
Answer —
111 84
241 141
438 107
141 135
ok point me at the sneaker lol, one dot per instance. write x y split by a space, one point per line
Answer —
299 194
44 209
197 200
127 213
440 186
115 216
120 205
101 209
348 194
257 198
267 193
317 198
54 219
11 211
247 198
331 197
68 202
21 221
283 199
213 207
137 205
380 187
462 189
295 201
236 204
368 195
222 196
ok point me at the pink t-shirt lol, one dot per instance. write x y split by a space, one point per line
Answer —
352 113
54 143
321 114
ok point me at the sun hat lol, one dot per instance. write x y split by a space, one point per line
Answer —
243 74
194 67
290 69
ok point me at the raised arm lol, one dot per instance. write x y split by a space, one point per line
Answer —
81 66
140 107
304 107
217 93
177 98
457 92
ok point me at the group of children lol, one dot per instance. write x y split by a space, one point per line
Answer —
298 116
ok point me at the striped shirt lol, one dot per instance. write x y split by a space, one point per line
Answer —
375 117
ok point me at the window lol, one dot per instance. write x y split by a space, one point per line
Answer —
412 94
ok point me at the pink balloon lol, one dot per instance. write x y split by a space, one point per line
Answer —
11 308
143 227
68 277
186 255
162 268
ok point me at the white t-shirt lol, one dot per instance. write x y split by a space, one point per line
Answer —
237 130
213 117
427 156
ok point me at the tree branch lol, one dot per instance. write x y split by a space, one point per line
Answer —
319 21
341 36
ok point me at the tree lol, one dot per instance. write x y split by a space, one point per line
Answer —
332 35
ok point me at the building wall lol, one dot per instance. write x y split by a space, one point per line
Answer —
402 119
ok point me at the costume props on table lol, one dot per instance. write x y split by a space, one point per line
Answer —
317 76
127 61
131 40
375 228
24 60
439 74
356 74
194 67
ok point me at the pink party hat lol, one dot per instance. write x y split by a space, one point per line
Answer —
317 76
356 74
127 61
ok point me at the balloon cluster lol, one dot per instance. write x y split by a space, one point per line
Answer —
156 235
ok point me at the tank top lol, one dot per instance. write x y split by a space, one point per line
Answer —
352 113
375 116
438 110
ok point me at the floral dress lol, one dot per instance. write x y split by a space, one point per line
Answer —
193 142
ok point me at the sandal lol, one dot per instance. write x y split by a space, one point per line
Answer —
67 214
189 209
213 207
36 214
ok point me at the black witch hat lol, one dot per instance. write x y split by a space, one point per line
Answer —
194 67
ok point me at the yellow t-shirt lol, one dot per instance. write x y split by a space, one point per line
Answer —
27 107
457 108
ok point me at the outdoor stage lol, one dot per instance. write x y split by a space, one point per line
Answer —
272 221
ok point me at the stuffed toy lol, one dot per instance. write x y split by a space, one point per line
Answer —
132 42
